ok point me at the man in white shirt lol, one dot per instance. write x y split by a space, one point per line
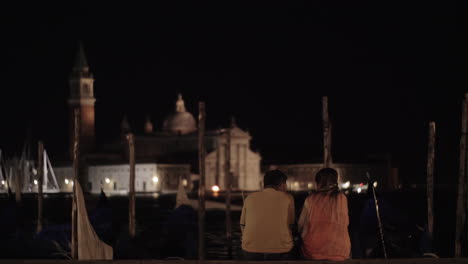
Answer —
266 220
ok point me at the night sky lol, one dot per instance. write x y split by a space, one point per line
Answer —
388 69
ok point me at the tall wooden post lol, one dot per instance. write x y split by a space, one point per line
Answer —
131 187
228 184
201 187
76 158
18 185
40 177
430 177
460 221
327 160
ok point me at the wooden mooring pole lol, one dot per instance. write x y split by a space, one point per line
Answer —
228 184
327 160
201 186
76 170
460 220
40 179
430 177
131 187
18 185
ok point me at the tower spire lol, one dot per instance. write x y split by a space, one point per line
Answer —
81 64
180 104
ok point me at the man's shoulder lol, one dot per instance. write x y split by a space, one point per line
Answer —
289 196
252 195
281 194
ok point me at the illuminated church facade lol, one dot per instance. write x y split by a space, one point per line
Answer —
163 158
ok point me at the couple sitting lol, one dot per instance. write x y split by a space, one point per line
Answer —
268 217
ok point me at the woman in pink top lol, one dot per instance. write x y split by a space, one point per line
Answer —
323 223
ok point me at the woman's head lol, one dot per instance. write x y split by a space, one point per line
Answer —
327 178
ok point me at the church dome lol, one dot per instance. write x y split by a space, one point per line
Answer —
180 122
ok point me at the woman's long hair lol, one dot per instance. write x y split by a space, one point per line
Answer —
327 181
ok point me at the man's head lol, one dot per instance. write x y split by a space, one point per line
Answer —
275 179
326 177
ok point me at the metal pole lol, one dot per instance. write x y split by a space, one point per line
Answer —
378 215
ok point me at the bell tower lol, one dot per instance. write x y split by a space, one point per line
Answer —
82 98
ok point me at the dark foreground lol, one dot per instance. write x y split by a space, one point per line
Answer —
403 215
354 261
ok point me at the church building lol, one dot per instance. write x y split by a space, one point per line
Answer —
163 158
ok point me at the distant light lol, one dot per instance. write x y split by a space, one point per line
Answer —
72 183
155 179
215 188
296 184
361 184
35 182
67 181
107 180
375 184
34 171
184 182
345 185
310 185
359 190
3 182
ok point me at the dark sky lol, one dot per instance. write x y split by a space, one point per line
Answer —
388 69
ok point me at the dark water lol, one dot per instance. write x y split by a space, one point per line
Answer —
403 211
